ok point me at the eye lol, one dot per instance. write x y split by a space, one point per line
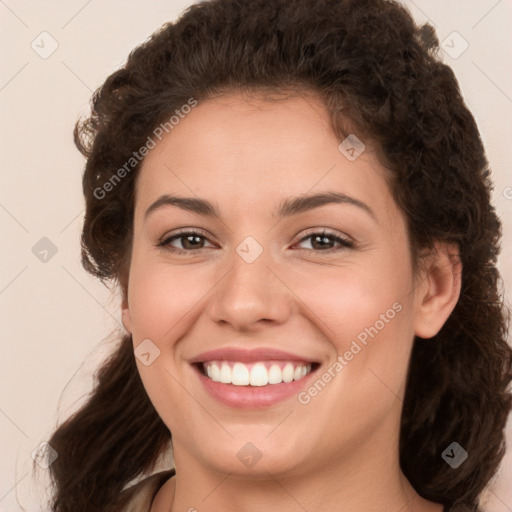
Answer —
322 241
190 241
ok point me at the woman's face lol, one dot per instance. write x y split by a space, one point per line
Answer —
258 283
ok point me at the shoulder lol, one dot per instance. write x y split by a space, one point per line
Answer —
140 496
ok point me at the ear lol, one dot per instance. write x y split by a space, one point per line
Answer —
438 290
125 315
123 288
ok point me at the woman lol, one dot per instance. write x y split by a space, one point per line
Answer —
295 203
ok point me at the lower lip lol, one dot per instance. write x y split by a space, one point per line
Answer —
252 397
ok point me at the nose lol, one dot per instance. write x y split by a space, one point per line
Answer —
251 296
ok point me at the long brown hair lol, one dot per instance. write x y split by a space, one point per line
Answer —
372 65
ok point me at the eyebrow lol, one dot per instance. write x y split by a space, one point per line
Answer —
288 208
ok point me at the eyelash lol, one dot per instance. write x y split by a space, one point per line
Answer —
165 242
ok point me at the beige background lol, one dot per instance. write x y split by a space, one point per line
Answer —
53 315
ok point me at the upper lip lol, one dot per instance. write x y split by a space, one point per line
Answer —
248 356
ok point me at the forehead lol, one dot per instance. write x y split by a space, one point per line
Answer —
250 151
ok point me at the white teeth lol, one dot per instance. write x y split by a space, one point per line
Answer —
215 373
255 374
259 375
225 373
275 375
288 373
240 375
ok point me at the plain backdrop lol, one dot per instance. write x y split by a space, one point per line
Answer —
55 319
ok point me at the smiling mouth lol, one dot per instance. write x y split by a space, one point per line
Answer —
257 374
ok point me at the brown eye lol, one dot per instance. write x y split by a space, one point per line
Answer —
324 241
189 241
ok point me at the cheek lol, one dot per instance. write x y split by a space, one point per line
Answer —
366 314
162 296
162 300
349 300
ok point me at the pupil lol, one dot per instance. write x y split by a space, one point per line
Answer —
191 238
323 239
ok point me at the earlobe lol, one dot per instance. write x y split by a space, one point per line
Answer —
438 291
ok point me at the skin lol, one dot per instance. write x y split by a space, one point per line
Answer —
339 451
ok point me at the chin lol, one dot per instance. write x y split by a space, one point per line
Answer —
255 456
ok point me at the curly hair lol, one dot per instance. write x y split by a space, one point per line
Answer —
374 67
